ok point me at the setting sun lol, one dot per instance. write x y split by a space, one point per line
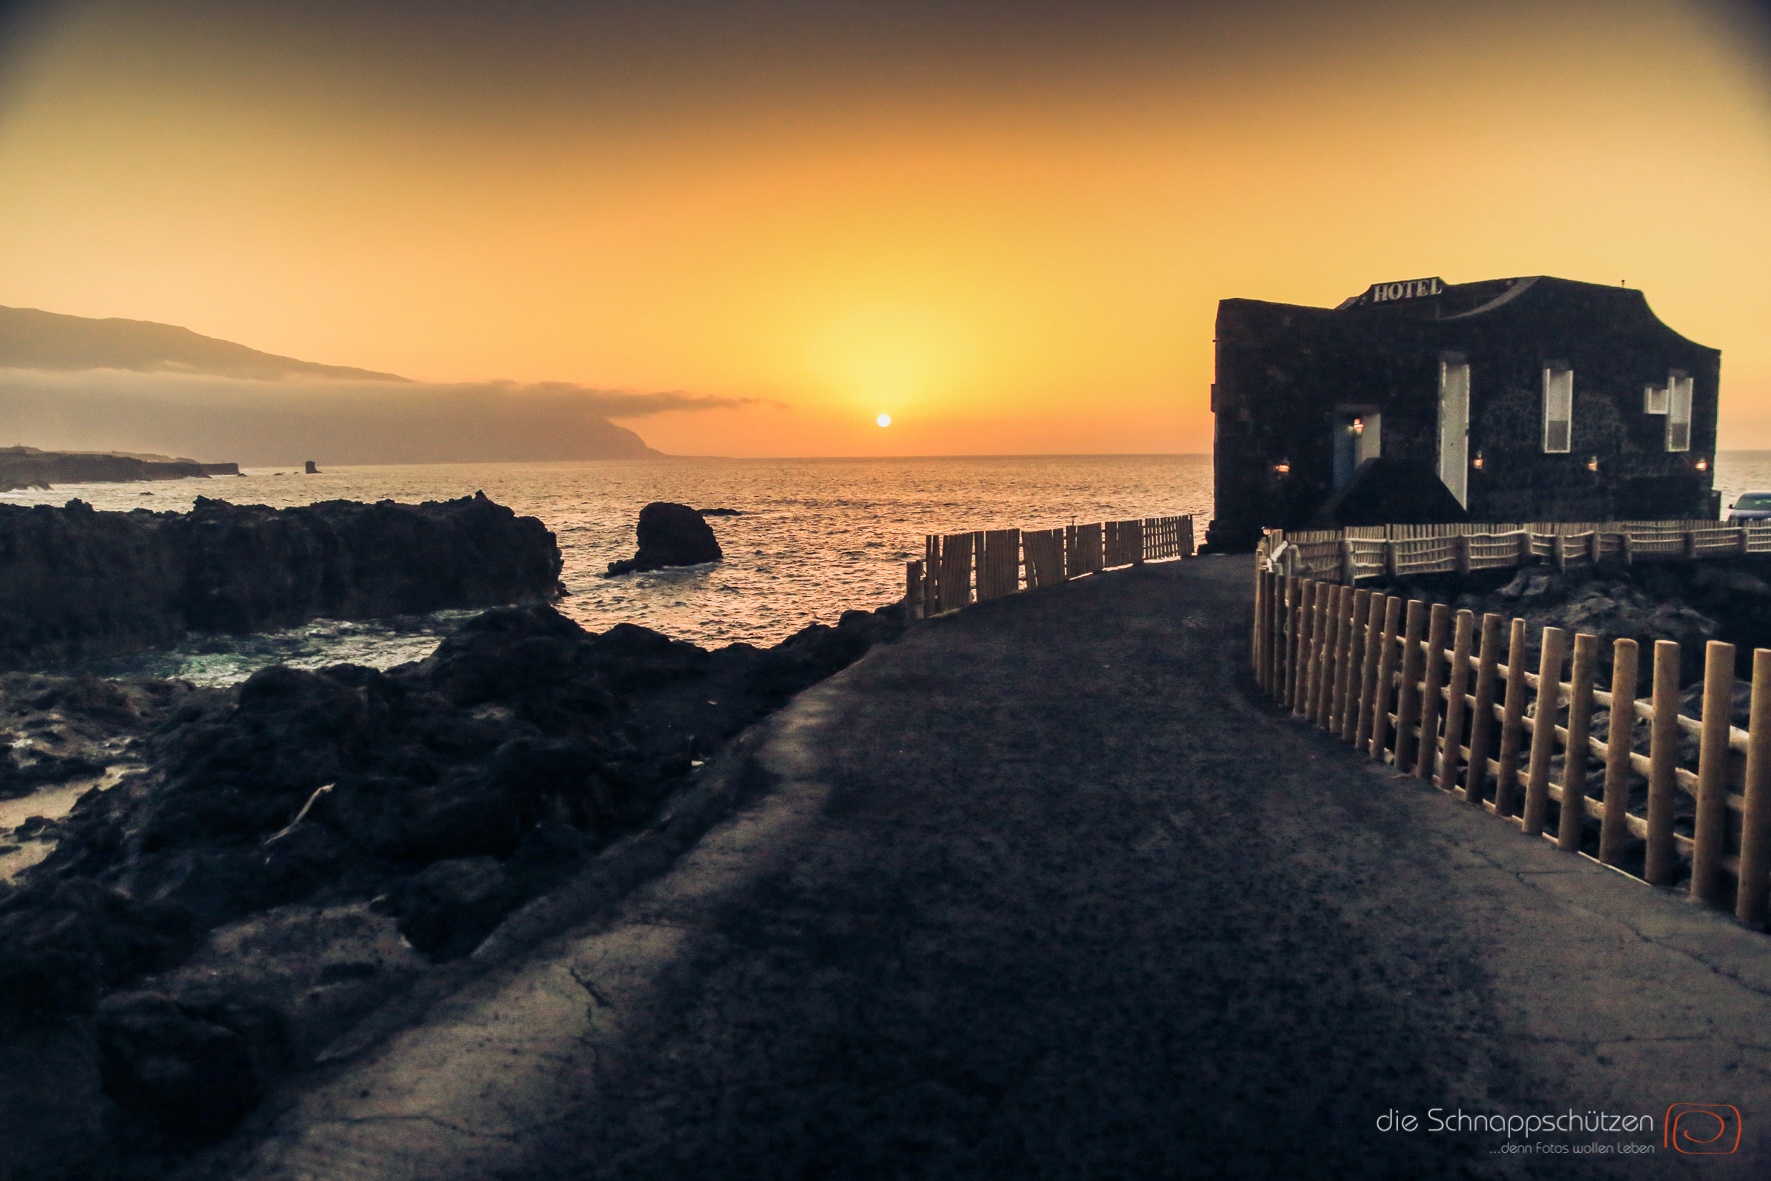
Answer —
884 420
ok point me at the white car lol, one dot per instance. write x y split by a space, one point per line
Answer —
1751 506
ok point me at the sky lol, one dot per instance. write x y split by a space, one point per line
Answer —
1005 225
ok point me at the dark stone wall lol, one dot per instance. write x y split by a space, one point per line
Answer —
75 583
1283 369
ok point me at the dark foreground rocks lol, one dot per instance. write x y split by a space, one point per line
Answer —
670 535
75 583
300 850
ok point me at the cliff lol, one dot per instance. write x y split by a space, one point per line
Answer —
28 467
76 583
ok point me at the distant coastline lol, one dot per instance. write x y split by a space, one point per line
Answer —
30 467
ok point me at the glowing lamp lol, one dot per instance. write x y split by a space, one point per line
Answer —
1282 466
1477 462
1358 426
1592 463
1703 465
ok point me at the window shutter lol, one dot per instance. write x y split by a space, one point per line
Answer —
1558 410
1678 416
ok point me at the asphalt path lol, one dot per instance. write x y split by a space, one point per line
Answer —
1046 890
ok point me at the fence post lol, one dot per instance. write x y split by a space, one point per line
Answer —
1374 629
1306 650
912 589
1433 684
1386 674
1482 710
1457 684
1690 543
1276 637
1512 723
931 574
1613 830
1343 659
1543 729
1629 549
1408 693
1294 614
1352 657
1580 722
1559 550
1712 771
1390 556
1349 571
1461 543
1336 666
1325 635
1359 643
1740 541
1260 617
1663 751
1755 823
1273 673
1327 632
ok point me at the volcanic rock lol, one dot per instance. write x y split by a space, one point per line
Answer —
213 922
669 535
75 583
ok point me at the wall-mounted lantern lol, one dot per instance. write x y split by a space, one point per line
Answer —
1592 463
1358 426
1282 466
1477 462
1703 465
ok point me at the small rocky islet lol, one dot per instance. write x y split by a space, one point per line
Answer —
282 857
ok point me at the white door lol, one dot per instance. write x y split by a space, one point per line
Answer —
1454 428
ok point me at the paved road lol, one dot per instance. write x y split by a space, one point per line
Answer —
1044 890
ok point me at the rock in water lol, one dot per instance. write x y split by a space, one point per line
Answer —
311 469
670 535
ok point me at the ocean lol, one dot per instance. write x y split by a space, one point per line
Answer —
816 537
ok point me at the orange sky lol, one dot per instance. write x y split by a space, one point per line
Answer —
1005 225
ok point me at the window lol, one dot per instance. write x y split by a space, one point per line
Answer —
1678 413
1454 426
1654 399
1558 408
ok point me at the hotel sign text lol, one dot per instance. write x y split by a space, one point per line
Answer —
1408 289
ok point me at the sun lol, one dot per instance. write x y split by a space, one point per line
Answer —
884 420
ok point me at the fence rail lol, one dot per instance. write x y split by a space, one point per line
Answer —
961 568
1347 555
1428 691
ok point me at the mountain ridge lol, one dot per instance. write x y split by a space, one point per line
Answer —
120 386
31 338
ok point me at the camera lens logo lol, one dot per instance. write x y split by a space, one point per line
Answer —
1708 1129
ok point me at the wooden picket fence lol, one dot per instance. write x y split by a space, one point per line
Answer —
961 568
1378 672
1347 555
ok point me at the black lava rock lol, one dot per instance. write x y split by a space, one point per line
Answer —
75 583
436 798
669 535
192 1077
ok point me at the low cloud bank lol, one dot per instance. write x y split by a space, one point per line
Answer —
218 419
